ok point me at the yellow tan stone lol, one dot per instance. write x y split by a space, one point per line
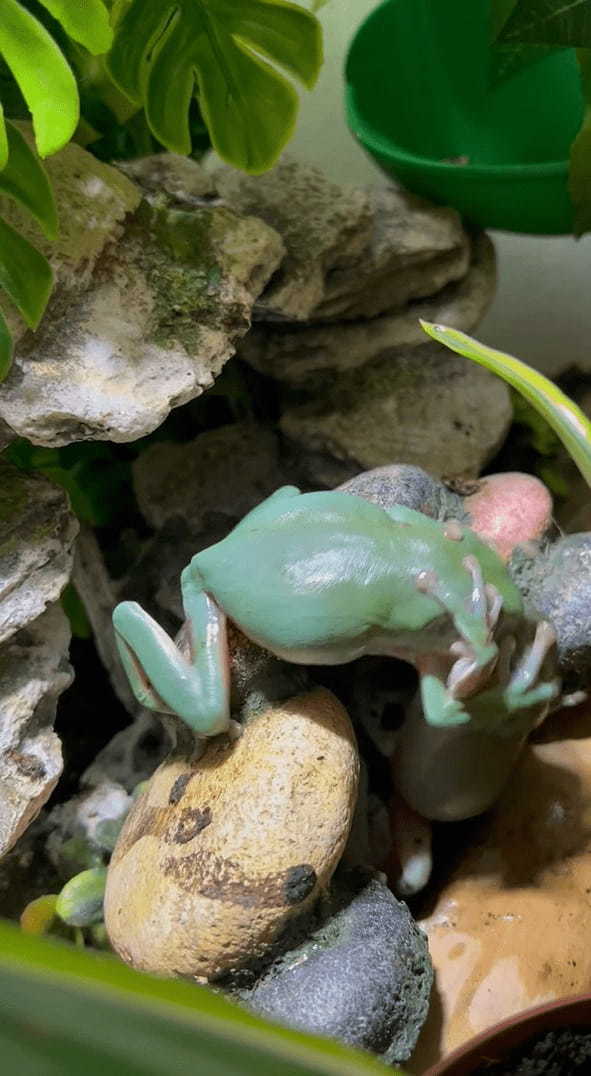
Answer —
221 851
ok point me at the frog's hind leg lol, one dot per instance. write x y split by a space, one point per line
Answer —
195 687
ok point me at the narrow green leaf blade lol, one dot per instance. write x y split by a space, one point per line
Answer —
553 22
3 140
6 349
25 274
25 180
83 1012
37 64
566 419
86 21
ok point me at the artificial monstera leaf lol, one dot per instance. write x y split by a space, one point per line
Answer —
166 50
566 419
70 1012
40 68
25 273
560 23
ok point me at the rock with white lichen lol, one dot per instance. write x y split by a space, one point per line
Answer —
149 303
351 251
37 532
34 671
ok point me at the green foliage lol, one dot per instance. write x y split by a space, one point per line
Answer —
25 274
562 414
524 31
95 479
164 49
80 903
70 1011
201 69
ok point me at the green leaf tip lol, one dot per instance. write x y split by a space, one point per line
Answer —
564 416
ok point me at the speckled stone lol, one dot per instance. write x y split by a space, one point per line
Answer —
362 977
224 849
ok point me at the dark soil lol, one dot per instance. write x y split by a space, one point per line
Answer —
563 1052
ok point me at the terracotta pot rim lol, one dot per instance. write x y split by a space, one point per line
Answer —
512 1032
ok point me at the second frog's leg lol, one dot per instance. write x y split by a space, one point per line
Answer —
197 687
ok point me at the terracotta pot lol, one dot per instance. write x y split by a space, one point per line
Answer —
498 1042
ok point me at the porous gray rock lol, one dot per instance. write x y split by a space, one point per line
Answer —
227 471
558 586
147 309
351 252
363 976
82 832
425 406
33 673
168 175
405 484
304 356
37 532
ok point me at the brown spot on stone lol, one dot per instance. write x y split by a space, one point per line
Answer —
179 788
28 765
191 822
299 883
212 876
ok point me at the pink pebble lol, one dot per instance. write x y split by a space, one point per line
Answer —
509 509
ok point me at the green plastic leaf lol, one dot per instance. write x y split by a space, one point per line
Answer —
86 21
43 75
80 903
566 419
164 50
564 23
25 274
69 1012
25 180
5 349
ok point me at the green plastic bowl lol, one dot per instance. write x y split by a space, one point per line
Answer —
419 95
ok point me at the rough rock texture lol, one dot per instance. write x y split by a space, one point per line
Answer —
508 930
149 305
425 407
226 471
37 531
559 588
296 354
33 673
363 976
223 851
402 483
83 831
350 252
177 178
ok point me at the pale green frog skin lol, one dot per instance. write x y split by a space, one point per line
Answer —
324 578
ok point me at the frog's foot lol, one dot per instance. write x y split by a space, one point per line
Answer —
440 707
522 691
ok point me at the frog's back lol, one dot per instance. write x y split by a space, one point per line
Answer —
303 569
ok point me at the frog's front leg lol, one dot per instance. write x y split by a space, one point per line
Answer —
524 688
196 688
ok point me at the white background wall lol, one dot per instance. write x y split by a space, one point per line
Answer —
543 307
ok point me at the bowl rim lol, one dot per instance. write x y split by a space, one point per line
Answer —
522 1023
374 141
